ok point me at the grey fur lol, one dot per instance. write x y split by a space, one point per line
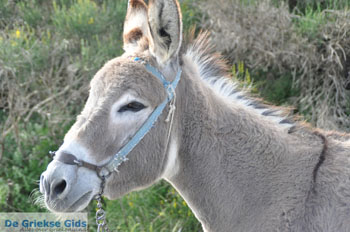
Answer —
237 169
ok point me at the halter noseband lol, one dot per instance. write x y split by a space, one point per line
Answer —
104 171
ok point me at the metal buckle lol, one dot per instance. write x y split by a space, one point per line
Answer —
103 172
52 154
78 162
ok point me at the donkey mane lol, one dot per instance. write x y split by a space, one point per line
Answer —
213 71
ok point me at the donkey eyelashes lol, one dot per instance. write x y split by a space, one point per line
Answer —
132 107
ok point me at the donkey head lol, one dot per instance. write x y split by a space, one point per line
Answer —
122 96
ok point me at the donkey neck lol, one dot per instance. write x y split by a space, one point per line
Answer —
233 165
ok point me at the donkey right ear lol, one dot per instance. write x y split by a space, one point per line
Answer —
136 30
165 24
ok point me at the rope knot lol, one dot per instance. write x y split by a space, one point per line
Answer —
172 109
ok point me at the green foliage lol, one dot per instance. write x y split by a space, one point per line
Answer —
242 74
84 18
310 23
6 13
24 165
190 15
311 15
155 209
31 14
303 6
276 91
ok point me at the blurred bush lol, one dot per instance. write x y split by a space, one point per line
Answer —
303 5
309 50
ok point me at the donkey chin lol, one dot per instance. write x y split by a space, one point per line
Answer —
69 204
72 192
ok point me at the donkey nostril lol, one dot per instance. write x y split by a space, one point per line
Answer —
59 188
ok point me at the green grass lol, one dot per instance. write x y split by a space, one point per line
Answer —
311 21
277 91
23 167
157 209
305 5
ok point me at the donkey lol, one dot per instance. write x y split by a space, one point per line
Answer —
239 164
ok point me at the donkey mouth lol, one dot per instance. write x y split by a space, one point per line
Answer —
81 201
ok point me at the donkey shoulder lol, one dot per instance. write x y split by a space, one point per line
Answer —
332 188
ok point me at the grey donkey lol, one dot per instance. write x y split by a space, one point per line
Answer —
239 164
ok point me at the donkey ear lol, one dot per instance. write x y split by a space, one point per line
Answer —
136 31
165 22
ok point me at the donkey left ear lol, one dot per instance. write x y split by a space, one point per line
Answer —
136 30
165 22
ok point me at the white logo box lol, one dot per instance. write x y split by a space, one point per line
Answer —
37 222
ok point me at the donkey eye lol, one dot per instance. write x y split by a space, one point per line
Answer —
132 106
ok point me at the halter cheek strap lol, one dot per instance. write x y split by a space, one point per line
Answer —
121 156
70 159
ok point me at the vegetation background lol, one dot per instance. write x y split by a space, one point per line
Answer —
290 52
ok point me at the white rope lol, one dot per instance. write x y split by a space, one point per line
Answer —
172 106
170 117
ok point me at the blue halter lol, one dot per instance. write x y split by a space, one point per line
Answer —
120 157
